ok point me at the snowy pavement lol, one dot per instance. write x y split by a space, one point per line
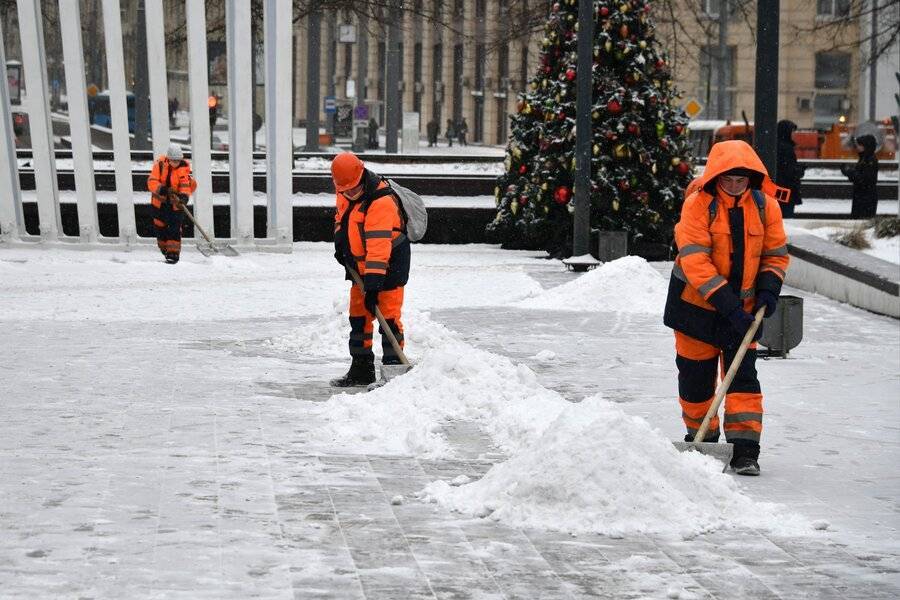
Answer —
168 432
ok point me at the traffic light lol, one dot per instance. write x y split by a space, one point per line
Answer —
213 103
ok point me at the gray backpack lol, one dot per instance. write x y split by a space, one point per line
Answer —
413 208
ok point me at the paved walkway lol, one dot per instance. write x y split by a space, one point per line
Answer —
144 460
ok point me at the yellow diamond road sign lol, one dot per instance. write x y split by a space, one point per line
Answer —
693 108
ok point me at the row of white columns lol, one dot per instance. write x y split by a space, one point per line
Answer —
278 53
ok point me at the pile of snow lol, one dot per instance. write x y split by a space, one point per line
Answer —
628 284
326 337
586 467
452 381
597 470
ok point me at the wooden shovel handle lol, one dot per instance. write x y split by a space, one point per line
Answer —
729 376
184 207
381 321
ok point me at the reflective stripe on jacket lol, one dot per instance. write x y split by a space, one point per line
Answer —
705 280
177 179
374 235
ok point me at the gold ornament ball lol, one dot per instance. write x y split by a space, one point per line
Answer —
615 204
544 186
514 207
675 161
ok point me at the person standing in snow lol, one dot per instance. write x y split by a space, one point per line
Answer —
450 133
462 130
732 259
788 173
865 179
432 130
170 184
370 238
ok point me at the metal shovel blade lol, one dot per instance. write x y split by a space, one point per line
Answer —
721 452
207 249
389 372
226 250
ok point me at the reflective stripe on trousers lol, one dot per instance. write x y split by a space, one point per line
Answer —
362 322
700 366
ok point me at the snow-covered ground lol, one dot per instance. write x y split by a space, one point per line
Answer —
884 248
167 431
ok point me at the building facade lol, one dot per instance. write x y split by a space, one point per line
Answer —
455 66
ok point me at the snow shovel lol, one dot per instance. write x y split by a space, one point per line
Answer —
722 452
388 372
209 248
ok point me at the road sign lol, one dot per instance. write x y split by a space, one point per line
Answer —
330 105
361 112
693 108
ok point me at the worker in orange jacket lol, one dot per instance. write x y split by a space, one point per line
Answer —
732 259
369 236
170 184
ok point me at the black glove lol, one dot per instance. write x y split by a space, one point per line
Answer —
739 322
371 301
765 298
163 191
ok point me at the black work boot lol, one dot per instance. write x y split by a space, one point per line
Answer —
745 459
362 372
171 258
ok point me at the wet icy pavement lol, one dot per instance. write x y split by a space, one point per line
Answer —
171 460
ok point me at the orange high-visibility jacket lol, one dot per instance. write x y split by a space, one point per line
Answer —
374 236
700 286
177 179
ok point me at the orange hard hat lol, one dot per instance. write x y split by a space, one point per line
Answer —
346 171
212 101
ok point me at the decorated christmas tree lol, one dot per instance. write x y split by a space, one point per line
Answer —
640 160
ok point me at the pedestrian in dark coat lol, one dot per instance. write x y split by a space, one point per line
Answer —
373 134
461 131
450 133
865 179
789 172
432 130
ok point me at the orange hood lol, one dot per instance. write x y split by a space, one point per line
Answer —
737 154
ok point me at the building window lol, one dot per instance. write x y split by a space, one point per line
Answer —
832 8
457 81
832 88
437 75
417 77
710 8
709 80
832 70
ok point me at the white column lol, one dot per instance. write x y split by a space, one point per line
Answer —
240 120
11 223
79 126
159 88
279 132
34 61
201 161
118 108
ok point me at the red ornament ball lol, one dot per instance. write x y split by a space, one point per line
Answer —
614 106
570 74
511 189
562 195
633 128
624 185
683 168
523 169
555 6
604 11
523 199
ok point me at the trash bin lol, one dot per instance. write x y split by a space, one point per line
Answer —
783 331
612 245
